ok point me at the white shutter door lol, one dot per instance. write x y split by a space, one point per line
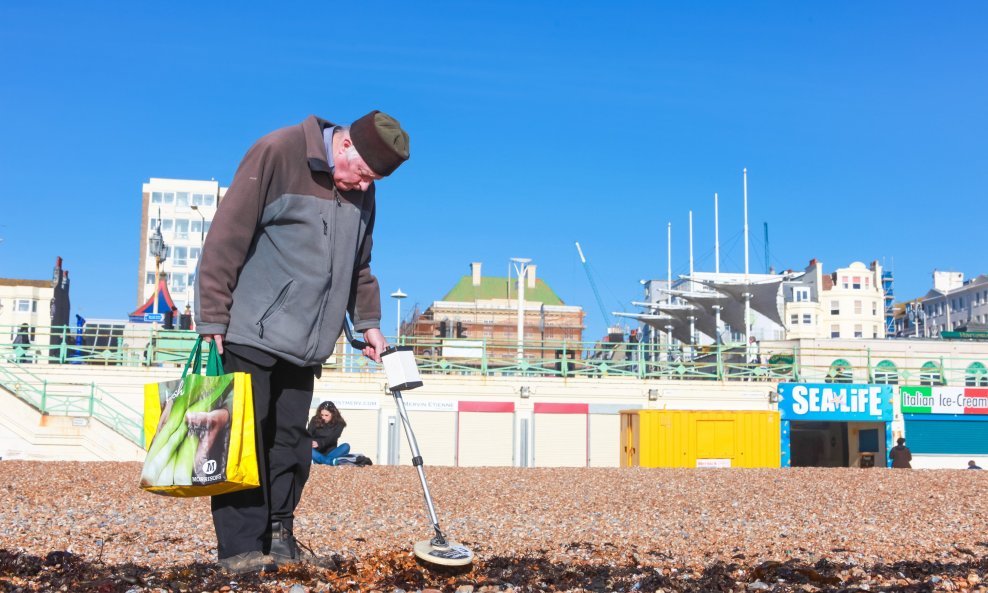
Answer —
436 436
605 440
361 432
486 439
560 440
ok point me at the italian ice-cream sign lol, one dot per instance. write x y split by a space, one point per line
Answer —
943 400
835 402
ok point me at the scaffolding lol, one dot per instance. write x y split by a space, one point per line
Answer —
887 285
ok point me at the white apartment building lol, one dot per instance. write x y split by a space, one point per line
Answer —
184 209
848 303
953 303
24 301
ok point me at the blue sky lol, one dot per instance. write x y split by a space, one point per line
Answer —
533 125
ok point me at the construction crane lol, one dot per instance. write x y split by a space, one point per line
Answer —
593 285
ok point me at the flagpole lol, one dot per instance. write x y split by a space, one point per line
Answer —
747 285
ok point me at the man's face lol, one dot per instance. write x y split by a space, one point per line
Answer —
351 172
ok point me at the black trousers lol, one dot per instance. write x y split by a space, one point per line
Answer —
282 397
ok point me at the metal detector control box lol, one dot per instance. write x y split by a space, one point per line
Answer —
400 368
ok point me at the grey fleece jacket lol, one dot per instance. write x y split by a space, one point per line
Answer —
287 253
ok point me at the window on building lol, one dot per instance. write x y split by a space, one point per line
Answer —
152 224
867 282
886 373
205 226
807 318
149 278
168 198
874 308
835 331
194 253
195 226
835 307
166 225
177 283
192 279
874 331
856 282
976 375
25 306
181 228
929 374
840 372
208 200
857 307
801 295
156 197
180 256
844 282
182 199
794 319
197 199
858 331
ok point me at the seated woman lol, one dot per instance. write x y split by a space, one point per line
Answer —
325 429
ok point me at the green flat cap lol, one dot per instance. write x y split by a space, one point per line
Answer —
381 142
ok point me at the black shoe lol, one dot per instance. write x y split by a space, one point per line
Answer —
247 562
286 549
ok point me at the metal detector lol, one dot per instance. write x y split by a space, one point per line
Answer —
402 373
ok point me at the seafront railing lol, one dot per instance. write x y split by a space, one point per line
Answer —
930 362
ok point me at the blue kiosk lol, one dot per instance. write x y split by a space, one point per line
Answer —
835 424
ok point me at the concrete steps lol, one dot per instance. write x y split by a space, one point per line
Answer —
26 433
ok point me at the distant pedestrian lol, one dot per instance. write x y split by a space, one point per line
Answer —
901 455
170 318
754 352
972 465
22 344
185 320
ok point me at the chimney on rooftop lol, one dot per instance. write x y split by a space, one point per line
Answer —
475 272
531 276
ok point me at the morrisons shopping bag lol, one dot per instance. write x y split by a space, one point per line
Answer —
199 431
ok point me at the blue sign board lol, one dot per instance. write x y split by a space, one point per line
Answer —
835 402
154 317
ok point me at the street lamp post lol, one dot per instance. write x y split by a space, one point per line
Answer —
202 228
202 240
521 267
158 249
397 296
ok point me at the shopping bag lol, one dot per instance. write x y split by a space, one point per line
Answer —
199 431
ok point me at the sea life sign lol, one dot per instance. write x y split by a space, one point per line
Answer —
835 402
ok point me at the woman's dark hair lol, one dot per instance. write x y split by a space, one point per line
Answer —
337 417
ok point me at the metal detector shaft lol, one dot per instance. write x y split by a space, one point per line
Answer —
440 539
417 462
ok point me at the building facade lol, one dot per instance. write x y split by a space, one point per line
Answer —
24 302
184 209
954 303
485 310
847 303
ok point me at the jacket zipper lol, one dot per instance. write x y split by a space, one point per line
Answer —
274 307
